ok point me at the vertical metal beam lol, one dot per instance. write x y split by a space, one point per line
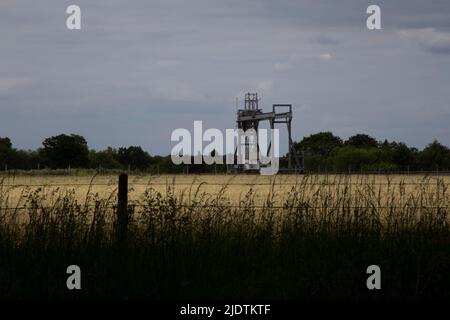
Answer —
290 143
272 126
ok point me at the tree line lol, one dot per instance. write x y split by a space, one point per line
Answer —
322 152
326 152
72 151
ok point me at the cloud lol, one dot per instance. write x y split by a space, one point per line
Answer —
8 85
174 91
325 56
288 64
6 2
264 85
168 63
325 40
282 66
302 108
429 38
134 67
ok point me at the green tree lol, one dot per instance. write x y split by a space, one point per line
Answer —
357 159
5 144
5 151
165 165
134 157
65 150
435 157
404 157
361 141
106 159
321 144
349 158
316 149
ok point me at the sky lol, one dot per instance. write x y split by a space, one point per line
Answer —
137 70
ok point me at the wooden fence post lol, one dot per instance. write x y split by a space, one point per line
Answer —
122 208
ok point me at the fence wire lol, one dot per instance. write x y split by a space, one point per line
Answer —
237 206
227 184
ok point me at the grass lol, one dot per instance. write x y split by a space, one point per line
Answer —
310 237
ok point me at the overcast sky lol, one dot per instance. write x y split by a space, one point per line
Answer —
140 69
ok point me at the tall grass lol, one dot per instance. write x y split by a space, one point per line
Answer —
315 243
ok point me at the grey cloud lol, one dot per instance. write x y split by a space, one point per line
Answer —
432 40
325 40
140 69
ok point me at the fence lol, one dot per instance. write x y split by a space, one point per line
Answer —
124 208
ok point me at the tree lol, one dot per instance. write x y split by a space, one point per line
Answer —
317 148
5 144
353 159
403 156
435 157
361 141
134 157
63 151
321 143
5 151
165 165
106 159
365 159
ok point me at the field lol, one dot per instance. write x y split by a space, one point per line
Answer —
225 236
233 189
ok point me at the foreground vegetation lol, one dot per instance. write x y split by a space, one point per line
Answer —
316 242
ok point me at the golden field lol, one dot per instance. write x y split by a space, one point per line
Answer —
233 189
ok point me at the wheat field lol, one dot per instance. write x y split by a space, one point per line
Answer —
233 189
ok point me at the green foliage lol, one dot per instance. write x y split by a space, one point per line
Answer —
324 152
16 159
5 145
435 157
321 144
134 158
353 159
361 141
5 150
107 159
63 151
404 157
363 153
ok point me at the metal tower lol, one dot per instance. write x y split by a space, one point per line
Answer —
252 115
